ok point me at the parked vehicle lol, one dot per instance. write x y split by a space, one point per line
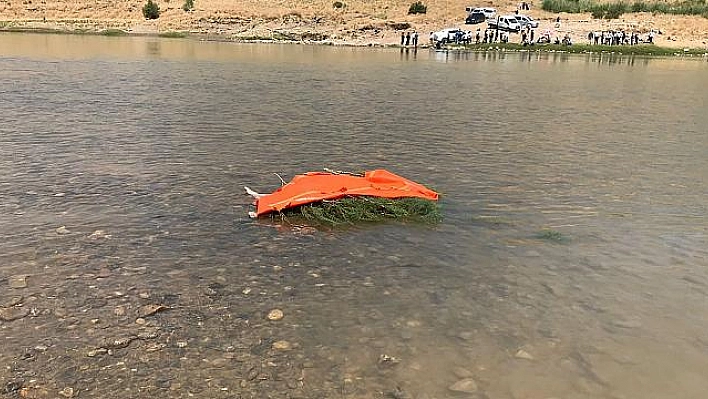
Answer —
525 21
475 18
507 23
487 11
446 35
452 35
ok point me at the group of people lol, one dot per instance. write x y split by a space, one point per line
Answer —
618 37
545 37
491 36
497 36
408 39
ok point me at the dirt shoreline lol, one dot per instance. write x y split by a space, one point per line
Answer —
358 24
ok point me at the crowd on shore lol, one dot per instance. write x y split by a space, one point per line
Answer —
619 37
528 37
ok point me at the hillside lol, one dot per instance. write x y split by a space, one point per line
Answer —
358 22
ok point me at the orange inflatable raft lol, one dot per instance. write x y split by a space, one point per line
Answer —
318 186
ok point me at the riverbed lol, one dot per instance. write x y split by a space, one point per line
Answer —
571 260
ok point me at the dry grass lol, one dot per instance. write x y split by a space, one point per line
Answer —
360 22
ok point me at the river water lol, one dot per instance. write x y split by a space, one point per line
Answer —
572 260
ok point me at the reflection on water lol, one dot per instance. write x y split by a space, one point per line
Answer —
571 262
530 56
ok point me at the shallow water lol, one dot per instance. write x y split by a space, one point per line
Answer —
571 262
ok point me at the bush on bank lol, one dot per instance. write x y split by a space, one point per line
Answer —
417 8
580 48
613 10
151 10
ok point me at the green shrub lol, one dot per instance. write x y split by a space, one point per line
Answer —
598 13
608 10
188 5
615 10
338 5
417 8
612 10
151 10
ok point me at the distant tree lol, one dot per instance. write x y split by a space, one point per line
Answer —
417 8
188 5
151 10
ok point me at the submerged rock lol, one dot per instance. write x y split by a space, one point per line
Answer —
12 301
96 352
13 313
149 310
281 345
522 354
462 372
99 234
467 385
387 361
19 281
275 315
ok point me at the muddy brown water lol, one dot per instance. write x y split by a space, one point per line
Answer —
571 262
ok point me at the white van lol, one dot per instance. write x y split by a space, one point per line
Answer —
525 21
507 23
487 11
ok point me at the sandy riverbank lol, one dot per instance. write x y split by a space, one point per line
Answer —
360 22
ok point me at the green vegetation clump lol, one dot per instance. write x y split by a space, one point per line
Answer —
417 8
188 5
151 10
582 48
608 10
352 210
173 35
113 32
613 10
551 235
338 5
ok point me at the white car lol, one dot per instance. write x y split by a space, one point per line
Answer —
525 21
447 35
507 23
487 11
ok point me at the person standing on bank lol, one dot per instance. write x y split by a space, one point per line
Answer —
408 39
415 39
403 38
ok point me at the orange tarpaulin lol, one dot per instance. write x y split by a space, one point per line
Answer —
318 186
